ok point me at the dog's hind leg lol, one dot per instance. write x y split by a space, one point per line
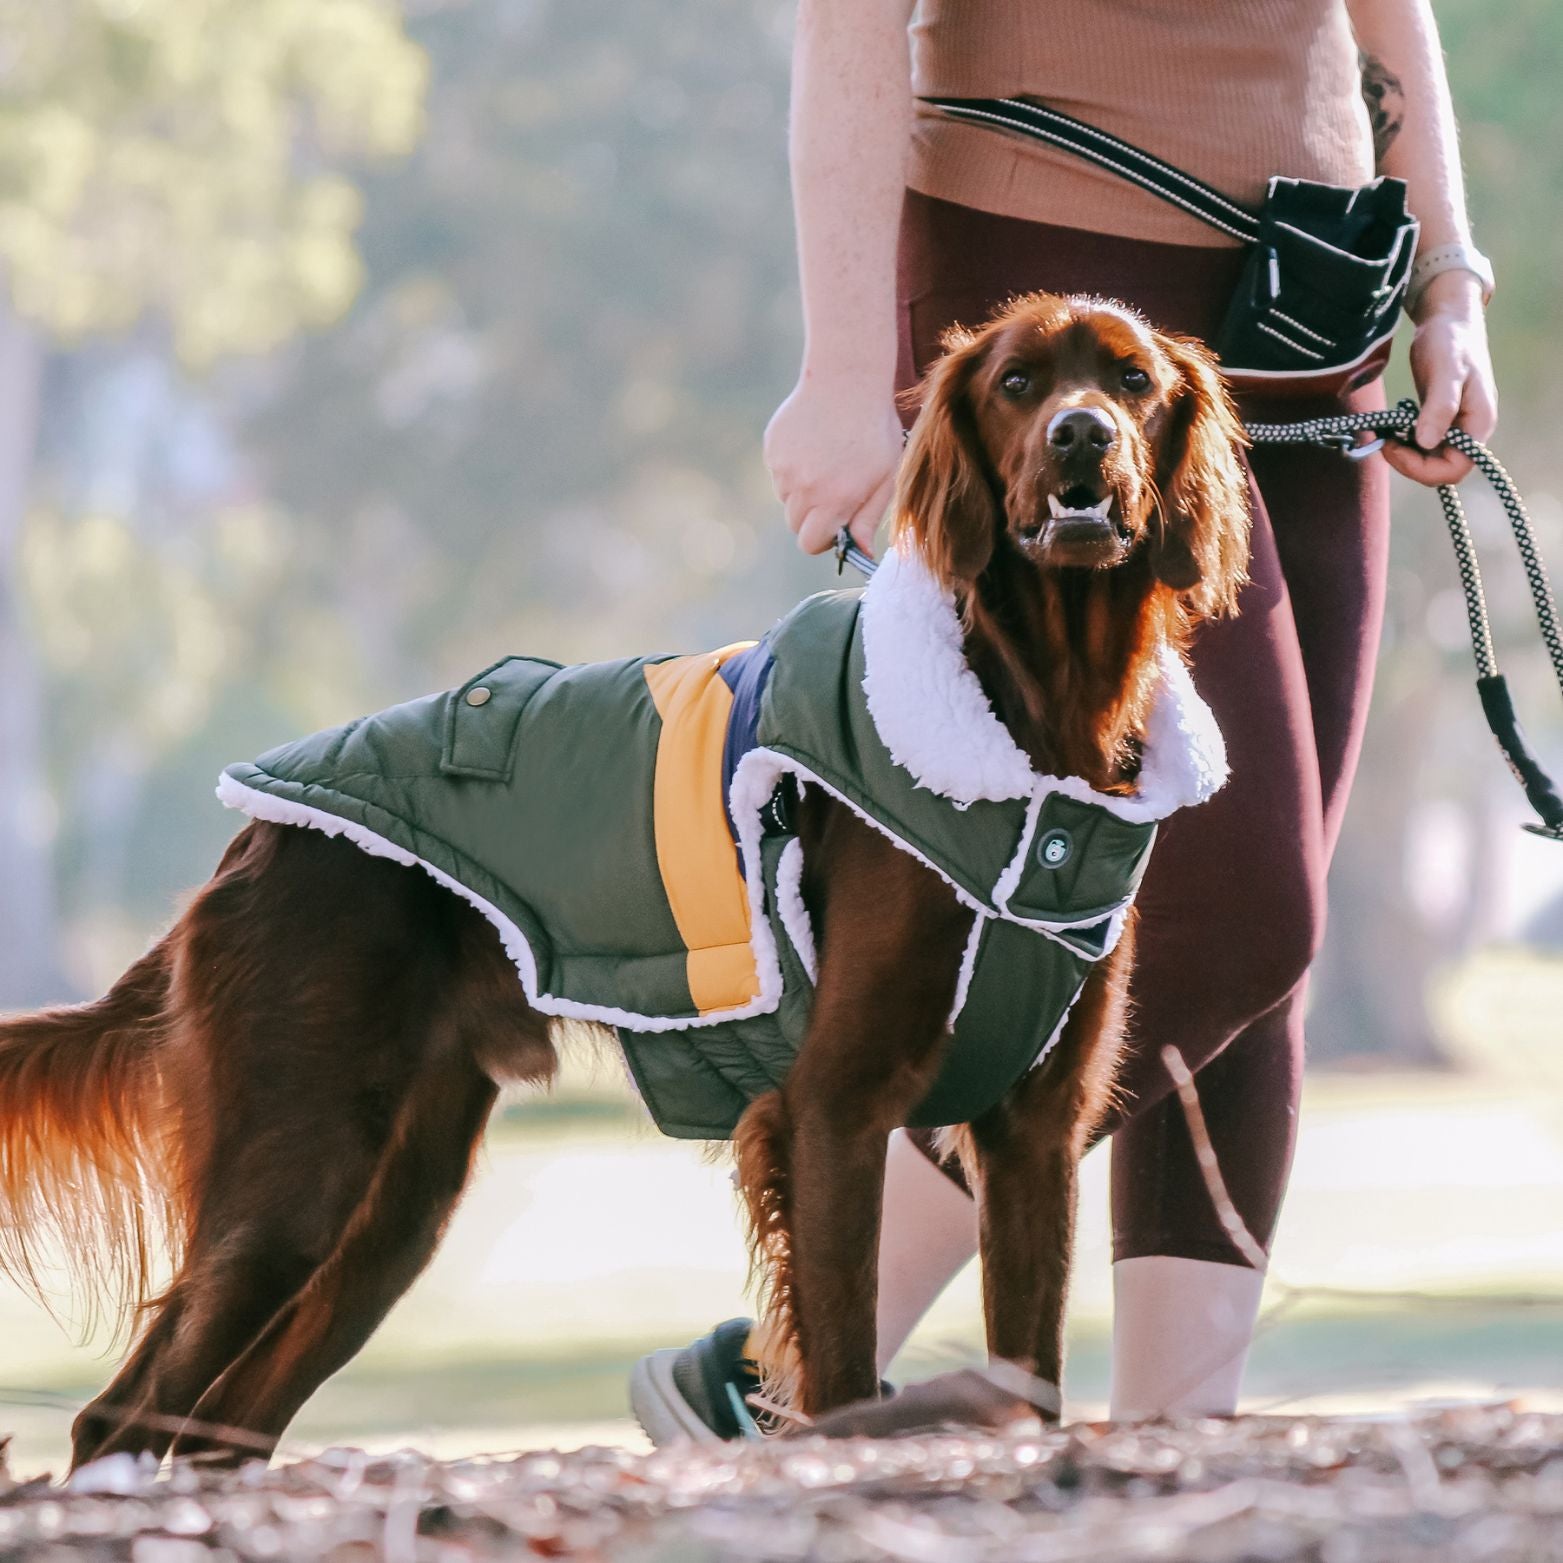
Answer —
243 1266
1026 1154
229 1288
387 1242
315 991
479 1031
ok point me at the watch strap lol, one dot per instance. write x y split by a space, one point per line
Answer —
1449 257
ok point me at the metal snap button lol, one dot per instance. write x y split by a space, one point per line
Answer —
479 696
1054 848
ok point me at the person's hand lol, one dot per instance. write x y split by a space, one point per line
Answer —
833 448
1452 369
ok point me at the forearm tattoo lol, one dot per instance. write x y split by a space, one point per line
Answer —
1386 101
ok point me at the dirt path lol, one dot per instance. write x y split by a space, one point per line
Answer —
1476 1484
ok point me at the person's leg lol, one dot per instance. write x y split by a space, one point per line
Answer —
1330 517
1181 1333
928 1233
1257 860
1181 1290
1230 914
1232 901
1229 917
1184 1300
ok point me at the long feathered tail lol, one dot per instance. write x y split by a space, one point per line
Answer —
88 1163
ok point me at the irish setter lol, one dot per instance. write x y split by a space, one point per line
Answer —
290 1087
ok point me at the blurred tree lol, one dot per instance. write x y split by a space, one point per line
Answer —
539 425
1426 738
175 161
29 947
177 156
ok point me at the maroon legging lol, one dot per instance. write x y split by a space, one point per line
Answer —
1232 908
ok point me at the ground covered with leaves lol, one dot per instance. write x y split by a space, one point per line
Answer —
1469 1483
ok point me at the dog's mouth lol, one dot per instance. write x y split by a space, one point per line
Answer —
1083 526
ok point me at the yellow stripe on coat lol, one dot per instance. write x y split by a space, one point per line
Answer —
695 852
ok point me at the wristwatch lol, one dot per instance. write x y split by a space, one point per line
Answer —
1449 257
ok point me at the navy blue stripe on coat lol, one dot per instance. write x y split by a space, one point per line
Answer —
746 675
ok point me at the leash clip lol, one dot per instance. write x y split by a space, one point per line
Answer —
1346 445
848 552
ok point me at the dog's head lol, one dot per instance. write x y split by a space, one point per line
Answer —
1067 434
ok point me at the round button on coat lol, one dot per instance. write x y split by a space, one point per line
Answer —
1054 848
479 696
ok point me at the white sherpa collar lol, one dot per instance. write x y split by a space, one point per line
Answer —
931 712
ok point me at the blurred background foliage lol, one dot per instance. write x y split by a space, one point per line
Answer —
347 346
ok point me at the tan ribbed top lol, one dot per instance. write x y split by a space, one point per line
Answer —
1231 91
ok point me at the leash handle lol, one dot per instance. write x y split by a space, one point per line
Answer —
1498 707
1340 433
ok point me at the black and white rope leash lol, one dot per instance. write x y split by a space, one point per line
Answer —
1341 432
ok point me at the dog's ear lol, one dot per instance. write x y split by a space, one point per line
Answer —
1201 548
944 500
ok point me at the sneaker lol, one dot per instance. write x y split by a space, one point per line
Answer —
698 1391
701 1391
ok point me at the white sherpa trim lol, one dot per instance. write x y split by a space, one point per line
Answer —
929 708
1007 882
790 908
234 794
925 701
968 966
754 780
1115 927
1185 759
1058 1030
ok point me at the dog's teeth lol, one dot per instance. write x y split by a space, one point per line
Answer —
1062 512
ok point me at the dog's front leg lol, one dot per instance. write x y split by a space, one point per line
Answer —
811 1156
1026 1152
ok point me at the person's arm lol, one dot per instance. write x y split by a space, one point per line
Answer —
834 444
1415 138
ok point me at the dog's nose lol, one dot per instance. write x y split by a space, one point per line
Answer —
1082 428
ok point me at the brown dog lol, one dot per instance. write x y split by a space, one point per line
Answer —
290 1086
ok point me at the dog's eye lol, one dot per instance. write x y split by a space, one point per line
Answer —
1135 379
1016 382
